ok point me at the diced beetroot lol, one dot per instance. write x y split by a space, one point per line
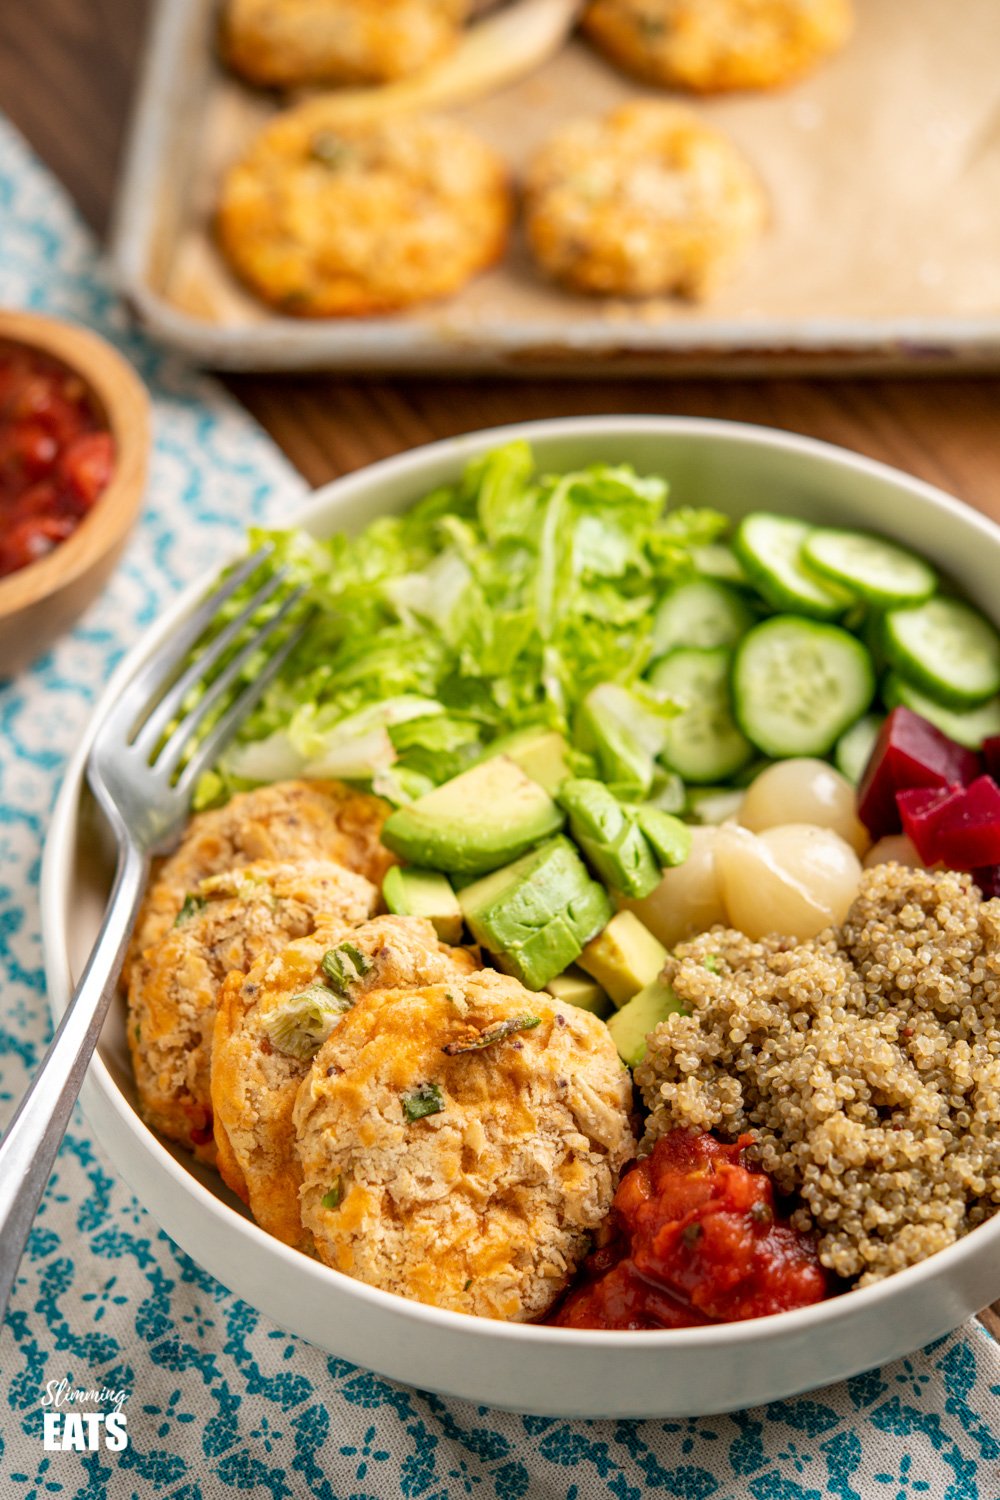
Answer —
909 752
991 757
955 826
920 809
970 833
988 881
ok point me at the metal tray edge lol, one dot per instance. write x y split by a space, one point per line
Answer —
591 346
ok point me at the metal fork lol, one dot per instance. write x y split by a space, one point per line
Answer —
142 775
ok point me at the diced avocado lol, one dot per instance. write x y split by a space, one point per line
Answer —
577 988
669 838
535 915
424 893
631 1025
610 837
541 753
624 958
545 761
476 822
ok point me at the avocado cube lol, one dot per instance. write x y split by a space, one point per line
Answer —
574 987
535 915
424 893
630 1026
624 958
476 822
669 837
611 838
541 753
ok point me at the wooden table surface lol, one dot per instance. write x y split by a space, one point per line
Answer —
67 71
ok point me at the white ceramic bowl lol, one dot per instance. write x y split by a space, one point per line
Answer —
543 1370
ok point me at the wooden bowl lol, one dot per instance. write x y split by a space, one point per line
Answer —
39 602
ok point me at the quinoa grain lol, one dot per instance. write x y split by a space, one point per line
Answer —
866 1063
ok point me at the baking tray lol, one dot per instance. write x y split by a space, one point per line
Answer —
883 171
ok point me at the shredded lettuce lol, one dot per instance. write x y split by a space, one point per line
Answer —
625 728
509 599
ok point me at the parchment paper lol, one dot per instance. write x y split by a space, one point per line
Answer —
883 171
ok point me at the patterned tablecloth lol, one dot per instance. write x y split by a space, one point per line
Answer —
219 1402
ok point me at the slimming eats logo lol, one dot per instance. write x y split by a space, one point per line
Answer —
67 1429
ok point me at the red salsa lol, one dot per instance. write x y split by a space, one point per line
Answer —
694 1237
56 455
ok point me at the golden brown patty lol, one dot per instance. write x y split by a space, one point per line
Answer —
231 921
291 820
486 1204
288 43
648 200
712 45
266 1032
326 221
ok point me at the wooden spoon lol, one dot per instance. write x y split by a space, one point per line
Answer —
494 52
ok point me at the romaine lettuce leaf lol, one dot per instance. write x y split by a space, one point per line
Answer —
501 601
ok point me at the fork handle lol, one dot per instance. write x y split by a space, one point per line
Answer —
28 1149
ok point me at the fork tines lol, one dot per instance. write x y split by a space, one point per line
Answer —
202 665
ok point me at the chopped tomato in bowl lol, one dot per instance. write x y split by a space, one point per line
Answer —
57 455
694 1237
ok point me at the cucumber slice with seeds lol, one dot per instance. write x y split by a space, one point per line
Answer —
969 726
797 685
878 571
770 548
700 613
855 746
703 743
947 649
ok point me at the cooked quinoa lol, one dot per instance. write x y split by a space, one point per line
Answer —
866 1063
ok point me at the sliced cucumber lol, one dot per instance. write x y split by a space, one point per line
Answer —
770 548
947 649
797 685
878 571
716 560
703 743
969 726
855 746
700 613
872 632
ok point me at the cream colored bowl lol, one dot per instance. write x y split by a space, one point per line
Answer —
542 1370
